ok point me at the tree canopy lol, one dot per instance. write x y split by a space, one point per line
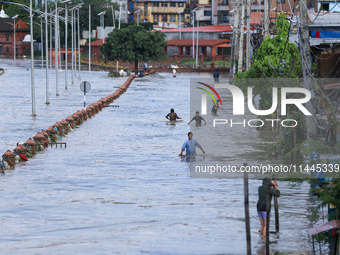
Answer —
134 44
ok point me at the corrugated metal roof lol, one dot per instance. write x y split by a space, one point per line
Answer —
328 19
201 42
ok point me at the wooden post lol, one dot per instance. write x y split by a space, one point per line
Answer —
277 222
267 219
246 210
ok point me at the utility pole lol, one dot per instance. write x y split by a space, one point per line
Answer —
56 40
248 49
66 32
32 61
15 50
46 47
240 56
78 45
303 32
72 43
51 39
90 38
41 42
266 20
193 35
234 44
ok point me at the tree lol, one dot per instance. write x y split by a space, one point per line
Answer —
134 44
276 58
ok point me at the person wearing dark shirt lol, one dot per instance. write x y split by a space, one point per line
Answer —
141 74
262 202
216 75
198 119
172 116
216 107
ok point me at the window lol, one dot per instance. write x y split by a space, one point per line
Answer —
180 5
164 18
7 37
172 18
155 18
172 4
224 17
164 4
280 1
207 13
155 4
324 7
18 26
225 2
7 49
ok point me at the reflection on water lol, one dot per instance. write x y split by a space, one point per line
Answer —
120 185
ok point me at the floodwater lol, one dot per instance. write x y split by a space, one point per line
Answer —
119 186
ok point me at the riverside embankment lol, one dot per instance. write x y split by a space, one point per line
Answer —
119 186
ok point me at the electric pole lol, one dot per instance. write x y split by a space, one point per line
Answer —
248 49
306 67
234 45
266 20
240 56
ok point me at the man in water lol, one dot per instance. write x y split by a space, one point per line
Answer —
198 119
262 202
141 74
172 116
216 107
190 146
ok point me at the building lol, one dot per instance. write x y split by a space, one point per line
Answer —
126 8
7 36
328 6
166 13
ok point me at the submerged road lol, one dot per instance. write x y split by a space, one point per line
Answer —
120 187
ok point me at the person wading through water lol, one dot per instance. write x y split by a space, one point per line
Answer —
172 116
262 202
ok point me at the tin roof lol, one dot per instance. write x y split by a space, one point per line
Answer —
328 19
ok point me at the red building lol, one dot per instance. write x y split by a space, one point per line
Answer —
7 36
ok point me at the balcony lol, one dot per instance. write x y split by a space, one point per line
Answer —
167 9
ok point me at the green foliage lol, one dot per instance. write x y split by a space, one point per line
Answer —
275 52
134 44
